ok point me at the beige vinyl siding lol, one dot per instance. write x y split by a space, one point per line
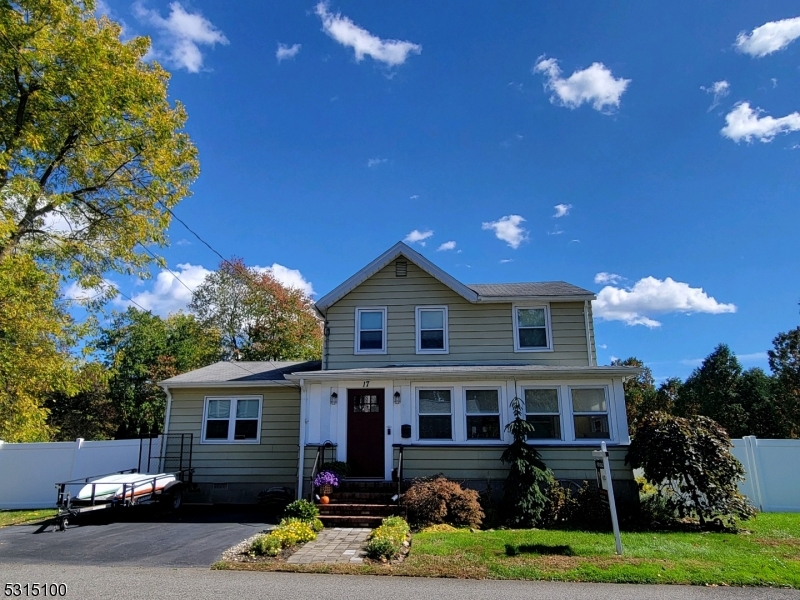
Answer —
481 464
480 333
272 461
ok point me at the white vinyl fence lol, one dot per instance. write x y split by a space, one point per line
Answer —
29 472
772 473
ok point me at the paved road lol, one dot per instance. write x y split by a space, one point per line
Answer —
195 538
92 583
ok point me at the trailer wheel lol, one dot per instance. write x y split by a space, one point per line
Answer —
177 500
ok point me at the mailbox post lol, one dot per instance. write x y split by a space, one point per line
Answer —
606 489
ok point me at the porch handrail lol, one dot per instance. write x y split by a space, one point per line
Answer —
400 471
318 464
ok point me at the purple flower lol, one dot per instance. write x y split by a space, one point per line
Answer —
326 478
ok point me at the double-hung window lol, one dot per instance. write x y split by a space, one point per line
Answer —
232 420
435 414
432 330
532 329
483 414
590 413
542 411
370 335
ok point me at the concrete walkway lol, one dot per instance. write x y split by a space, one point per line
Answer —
335 545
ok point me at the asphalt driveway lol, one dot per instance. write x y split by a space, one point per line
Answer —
139 538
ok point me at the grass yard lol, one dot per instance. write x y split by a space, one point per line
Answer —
14 517
769 555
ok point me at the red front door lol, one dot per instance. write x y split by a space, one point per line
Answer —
365 439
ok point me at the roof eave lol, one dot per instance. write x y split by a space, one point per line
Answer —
384 259
222 384
507 299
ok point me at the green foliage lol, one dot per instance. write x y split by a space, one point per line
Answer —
301 509
315 524
266 545
784 361
690 462
290 532
88 137
142 349
386 541
339 468
259 318
35 334
640 391
525 488
89 413
439 500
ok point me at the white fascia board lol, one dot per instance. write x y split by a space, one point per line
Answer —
417 375
399 249
522 299
226 384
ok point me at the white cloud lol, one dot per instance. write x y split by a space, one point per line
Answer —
284 52
506 260
555 231
649 297
603 346
753 357
363 43
562 210
720 89
414 197
769 37
508 229
168 295
183 242
80 294
745 123
451 245
595 85
418 236
374 162
182 33
291 278
604 277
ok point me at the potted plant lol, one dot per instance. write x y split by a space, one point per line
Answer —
326 481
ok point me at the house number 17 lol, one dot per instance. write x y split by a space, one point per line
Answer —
366 384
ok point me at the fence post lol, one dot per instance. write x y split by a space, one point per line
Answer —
751 451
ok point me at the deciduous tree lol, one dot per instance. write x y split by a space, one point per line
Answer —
640 391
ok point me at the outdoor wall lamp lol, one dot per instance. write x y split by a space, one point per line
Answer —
397 397
334 398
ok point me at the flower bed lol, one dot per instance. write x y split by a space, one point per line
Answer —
387 541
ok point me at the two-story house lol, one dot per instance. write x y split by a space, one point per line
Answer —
414 362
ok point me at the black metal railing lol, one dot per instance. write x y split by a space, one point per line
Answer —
319 460
400 471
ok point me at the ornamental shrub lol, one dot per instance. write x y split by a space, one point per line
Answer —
689 461
266 545
301 509
430 501
529 479
293 532
386 540
315 524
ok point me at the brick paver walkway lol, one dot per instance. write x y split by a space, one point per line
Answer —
335 545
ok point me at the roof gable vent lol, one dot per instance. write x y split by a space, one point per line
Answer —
400 268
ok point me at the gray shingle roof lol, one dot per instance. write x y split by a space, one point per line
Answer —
223 372
543 288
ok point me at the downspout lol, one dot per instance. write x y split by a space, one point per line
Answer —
588 335
166 428
326 331
302 453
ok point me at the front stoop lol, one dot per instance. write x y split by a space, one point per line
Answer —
360 504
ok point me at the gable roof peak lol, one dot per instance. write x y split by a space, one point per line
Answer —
399 249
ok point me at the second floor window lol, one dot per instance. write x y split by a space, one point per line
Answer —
432 330
531 329
370 331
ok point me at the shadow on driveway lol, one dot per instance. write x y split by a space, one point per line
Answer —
138 536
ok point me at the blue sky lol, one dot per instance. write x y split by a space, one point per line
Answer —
649 155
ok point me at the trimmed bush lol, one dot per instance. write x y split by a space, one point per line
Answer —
386 540
315 524
288 533
689 461
301 509
431 501
266 545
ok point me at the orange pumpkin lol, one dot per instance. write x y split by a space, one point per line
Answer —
324 500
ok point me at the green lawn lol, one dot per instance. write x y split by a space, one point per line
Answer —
13 517
769 555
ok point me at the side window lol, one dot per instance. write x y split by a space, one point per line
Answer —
435 414
542 410
232 420
432 330
531 329
590 413
370 331
483 414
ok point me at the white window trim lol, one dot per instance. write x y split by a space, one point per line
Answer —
608 413
561 411
547 323
231 420
499 413
418 329
417 415
357 336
